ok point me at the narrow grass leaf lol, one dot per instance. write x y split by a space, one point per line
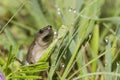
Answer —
95 45
108 61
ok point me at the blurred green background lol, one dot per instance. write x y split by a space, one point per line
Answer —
21 19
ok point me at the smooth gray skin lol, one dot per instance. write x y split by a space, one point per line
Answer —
42 40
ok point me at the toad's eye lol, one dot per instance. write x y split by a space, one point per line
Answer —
40 31
49 27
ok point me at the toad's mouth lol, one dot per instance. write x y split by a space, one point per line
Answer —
48 38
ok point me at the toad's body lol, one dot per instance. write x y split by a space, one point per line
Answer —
42 40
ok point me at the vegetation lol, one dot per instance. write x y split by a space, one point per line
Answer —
87 47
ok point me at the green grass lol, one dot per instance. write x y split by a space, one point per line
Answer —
87 47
